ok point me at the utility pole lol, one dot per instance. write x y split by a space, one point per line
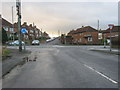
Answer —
18 6
98 26
58 33
13 24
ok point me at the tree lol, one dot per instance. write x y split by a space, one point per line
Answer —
4 36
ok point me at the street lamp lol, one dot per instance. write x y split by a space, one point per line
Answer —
110 27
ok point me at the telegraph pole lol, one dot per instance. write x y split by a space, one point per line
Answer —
98 25
18 6
58 33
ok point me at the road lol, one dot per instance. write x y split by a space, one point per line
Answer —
58 66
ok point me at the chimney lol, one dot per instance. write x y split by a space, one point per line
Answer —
82 26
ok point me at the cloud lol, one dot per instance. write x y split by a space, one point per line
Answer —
64 16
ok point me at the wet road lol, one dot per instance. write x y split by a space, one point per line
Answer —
65 67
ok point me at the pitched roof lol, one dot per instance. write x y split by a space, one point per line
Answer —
115 29
72 32
85 29
6 23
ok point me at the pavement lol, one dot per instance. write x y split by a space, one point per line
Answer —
106 50
66 67
15 59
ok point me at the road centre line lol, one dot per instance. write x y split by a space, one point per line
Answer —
108 78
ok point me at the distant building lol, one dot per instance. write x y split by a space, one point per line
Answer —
114 35
84 35
45 35
114 32
32 31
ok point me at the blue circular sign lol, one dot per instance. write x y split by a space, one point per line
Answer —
23 30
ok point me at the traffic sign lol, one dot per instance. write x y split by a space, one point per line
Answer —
111 26
23 30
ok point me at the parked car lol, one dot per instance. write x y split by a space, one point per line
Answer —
10 43
35 42
15 43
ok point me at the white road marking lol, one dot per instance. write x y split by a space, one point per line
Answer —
57 52
0 84
108 78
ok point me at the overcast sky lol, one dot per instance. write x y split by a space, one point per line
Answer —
64 16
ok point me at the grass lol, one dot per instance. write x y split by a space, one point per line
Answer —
5 51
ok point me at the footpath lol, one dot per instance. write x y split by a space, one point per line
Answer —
15 59
106 50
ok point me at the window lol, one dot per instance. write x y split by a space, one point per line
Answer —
31 31
100 36
89 38
81 33
80 40
6 28
10 35
11 29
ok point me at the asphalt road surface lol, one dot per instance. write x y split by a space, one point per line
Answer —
65 67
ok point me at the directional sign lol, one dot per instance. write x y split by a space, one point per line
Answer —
23 30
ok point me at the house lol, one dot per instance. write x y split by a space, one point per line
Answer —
84 35
114 35
33 32
114 32
45 35
69 37
7 26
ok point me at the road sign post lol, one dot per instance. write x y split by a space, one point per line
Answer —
110 27
104 41
24 31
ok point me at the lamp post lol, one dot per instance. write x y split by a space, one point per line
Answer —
110 27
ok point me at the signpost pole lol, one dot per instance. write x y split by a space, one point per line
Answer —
104 40
110 27
23 30
110 41
24 43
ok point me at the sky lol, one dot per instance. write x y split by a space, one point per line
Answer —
64 16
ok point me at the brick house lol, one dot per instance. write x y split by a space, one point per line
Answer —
114 34
7 27
33 32
36 32
84 35
45 35
69 37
